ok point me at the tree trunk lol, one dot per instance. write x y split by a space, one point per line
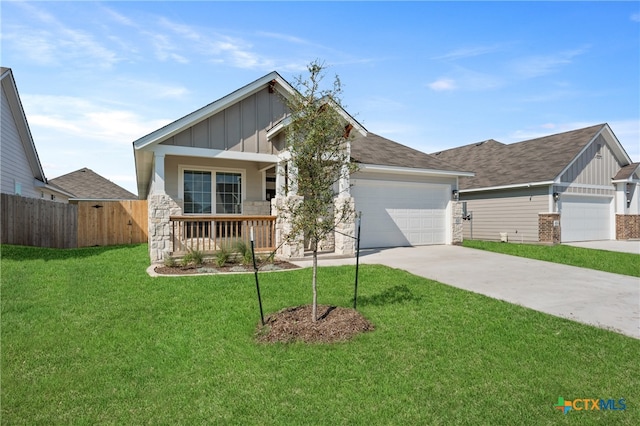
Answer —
314 309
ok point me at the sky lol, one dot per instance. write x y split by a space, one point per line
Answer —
95 76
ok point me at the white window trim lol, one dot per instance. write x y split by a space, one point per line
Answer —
243 187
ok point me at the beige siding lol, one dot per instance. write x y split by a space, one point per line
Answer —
593 168
241 127
512 211
14 163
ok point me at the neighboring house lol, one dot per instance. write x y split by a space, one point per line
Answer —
225 168
85 184
20 168
573 186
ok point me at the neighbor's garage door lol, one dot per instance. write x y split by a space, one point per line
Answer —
585 218
401 213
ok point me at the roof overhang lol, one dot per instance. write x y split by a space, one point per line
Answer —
375 168
515 186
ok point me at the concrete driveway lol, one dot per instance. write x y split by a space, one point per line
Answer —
602 299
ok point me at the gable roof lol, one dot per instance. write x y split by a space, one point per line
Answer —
374 149
19 117
534 161
627 172
85 184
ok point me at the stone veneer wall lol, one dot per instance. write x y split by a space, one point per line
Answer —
344 237
547 232
457 224
161 207
627 226
294 247
256 208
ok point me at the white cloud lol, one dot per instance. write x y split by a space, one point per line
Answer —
468 52
539 65
635 17
443 84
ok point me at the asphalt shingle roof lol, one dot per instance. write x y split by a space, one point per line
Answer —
536 160
86 184
626 171
374 149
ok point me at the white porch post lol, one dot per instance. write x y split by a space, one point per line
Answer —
158 175
343 183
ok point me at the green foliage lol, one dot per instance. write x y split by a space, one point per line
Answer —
222 256
193 257
601 260
170 262
317 139
88 338
244 252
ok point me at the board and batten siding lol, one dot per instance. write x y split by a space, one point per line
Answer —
512 211
241 127
14 165
595 166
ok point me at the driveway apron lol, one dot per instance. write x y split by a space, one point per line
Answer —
602 299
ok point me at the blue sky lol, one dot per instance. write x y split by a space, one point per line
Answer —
95 76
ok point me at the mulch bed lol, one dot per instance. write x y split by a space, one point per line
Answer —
334 324
212 268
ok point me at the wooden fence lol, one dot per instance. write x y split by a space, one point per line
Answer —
43 223
106 223
40 223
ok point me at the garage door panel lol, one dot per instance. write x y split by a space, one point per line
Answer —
585 218
401 213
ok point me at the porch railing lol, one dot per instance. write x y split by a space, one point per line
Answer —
210 233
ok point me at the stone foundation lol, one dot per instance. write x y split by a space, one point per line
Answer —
549 228
161 207
344 237
456 222
627 226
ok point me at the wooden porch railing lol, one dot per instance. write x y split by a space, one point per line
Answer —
210 233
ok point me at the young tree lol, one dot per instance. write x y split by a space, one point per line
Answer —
317 136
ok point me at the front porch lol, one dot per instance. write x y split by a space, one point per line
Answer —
208 234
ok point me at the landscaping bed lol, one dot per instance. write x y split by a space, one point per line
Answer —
212 268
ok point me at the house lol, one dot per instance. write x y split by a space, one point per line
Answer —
573 186
85 184
20 168
222 172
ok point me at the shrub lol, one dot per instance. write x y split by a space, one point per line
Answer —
194 256
222 256
244 251
169 262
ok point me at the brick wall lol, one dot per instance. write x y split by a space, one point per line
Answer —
549 228
627 226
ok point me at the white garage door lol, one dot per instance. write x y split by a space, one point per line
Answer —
401 213
585 218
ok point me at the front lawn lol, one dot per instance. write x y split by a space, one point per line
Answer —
601 260
87 337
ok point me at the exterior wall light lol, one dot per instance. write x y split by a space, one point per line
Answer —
556 196
455 195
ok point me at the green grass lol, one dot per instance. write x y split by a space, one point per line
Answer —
87 337
601 260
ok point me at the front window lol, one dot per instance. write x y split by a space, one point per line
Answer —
228 193
202 187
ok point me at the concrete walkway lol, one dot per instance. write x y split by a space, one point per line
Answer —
606 300
625 246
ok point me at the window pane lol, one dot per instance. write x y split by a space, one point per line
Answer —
197 192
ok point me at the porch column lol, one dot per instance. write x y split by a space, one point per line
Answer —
343 183
280 179
293 178
158 175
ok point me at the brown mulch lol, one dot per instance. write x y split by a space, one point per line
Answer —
211 268
334 324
